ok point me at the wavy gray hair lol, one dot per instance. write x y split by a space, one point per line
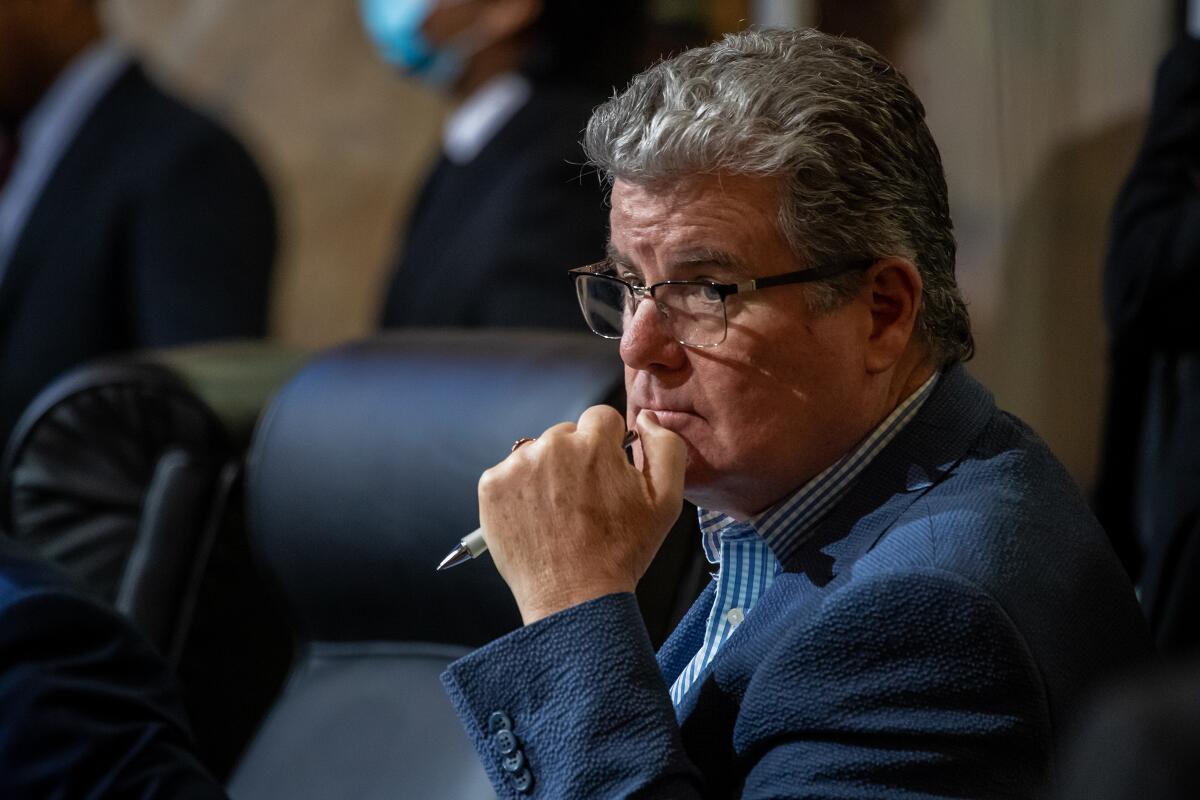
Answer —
831 117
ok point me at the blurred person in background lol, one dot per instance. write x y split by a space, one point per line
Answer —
127 219
508 202
1148 492
1139 739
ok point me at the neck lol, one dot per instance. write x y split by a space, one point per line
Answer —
911 373
490 62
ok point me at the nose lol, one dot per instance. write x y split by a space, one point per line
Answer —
647 341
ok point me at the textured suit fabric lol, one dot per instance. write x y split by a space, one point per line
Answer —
1148 490
490 241
931 640
155 229
87 709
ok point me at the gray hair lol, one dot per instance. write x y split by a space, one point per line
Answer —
831 117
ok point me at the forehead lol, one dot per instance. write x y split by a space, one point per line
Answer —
727 219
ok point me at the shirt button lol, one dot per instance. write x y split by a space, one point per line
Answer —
735 616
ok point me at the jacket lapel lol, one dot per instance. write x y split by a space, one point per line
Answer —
921 455
684 642
56 201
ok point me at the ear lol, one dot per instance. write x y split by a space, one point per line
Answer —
893 293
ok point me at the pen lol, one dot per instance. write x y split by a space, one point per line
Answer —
473 546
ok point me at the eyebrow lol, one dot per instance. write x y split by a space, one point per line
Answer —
690 259
708 256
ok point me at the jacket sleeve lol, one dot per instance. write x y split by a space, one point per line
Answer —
914 686
87 709
1152 275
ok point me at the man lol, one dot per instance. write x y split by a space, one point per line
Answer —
127 220
507 200
911 593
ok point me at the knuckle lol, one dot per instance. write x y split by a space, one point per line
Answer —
604 415
556 431
489 482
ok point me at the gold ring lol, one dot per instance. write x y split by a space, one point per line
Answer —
519 442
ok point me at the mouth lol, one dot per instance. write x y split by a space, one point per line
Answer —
671 418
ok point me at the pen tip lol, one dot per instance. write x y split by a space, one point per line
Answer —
455 557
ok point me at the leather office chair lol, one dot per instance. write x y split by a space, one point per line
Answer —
119 473
127 473
362 476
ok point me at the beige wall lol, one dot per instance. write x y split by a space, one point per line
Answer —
1037 105
1038 108
344 141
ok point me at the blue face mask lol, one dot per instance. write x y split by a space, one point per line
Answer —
395 28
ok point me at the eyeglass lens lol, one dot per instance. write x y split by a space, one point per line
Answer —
694 313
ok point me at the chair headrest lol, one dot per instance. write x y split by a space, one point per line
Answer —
81 458
363 474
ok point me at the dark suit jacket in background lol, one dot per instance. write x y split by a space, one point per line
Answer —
932 639
87 710
489 242
154 229
1139 741
1148 492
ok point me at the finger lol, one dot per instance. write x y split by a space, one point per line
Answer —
551 433
605 422
664 458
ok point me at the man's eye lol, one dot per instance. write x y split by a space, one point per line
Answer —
630 277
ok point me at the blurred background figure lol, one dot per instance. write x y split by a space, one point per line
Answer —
127 219
507 209
1139 741
1148 494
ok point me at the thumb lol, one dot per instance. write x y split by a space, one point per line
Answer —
664 457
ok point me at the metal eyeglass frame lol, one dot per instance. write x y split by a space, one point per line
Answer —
601 269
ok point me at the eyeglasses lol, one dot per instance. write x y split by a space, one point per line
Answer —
694 311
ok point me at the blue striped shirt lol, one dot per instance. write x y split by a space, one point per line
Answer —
749 552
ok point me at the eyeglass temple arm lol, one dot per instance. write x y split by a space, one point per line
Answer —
804 275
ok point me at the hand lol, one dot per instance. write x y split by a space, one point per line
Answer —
567 519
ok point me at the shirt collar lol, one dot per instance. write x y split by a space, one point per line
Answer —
482 115
796 515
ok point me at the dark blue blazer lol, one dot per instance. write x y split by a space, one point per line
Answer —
932 640
87 709
155 229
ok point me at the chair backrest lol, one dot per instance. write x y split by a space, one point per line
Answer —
362 476
127 473
116 472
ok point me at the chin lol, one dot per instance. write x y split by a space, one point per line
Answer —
700 485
